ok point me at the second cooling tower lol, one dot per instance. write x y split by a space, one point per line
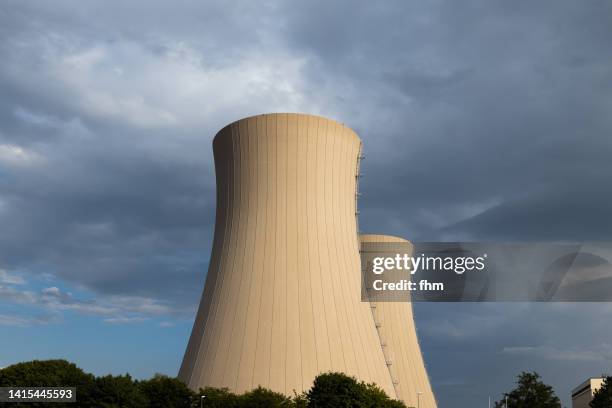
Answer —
395 324
282 302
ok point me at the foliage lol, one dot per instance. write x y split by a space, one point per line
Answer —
329 390
49 373
216 398
530 392
263 398
603 396
333 390
165 392
300 400
120 391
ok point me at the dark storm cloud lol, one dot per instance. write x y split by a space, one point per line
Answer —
484 347
106 215
481 120
99 203
478 106
574 213
106 177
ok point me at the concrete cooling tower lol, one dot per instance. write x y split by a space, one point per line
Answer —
395 325
282 299
281 302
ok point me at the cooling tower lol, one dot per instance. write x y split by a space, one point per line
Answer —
281 302
395 324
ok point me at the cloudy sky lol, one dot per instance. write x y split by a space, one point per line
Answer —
482 120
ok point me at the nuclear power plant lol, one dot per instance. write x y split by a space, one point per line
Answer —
282 300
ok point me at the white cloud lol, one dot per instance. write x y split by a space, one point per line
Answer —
597 353
175 84
17 156
139 304
73 126
114 309
463 324
8 320
125 320
52 291
11 294
10 279
35 119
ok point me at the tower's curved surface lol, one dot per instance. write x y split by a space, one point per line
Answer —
395 324
282 302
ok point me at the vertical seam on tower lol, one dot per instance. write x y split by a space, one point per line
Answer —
329 257
335 175
351 231
275 144
254 236
319 251
299 306
242 201
346 228
286 180
308 243
265 161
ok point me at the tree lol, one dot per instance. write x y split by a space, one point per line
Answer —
50 373
263 398
300 400
603 396
530 392
119 392
166 392
331 390
216 398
